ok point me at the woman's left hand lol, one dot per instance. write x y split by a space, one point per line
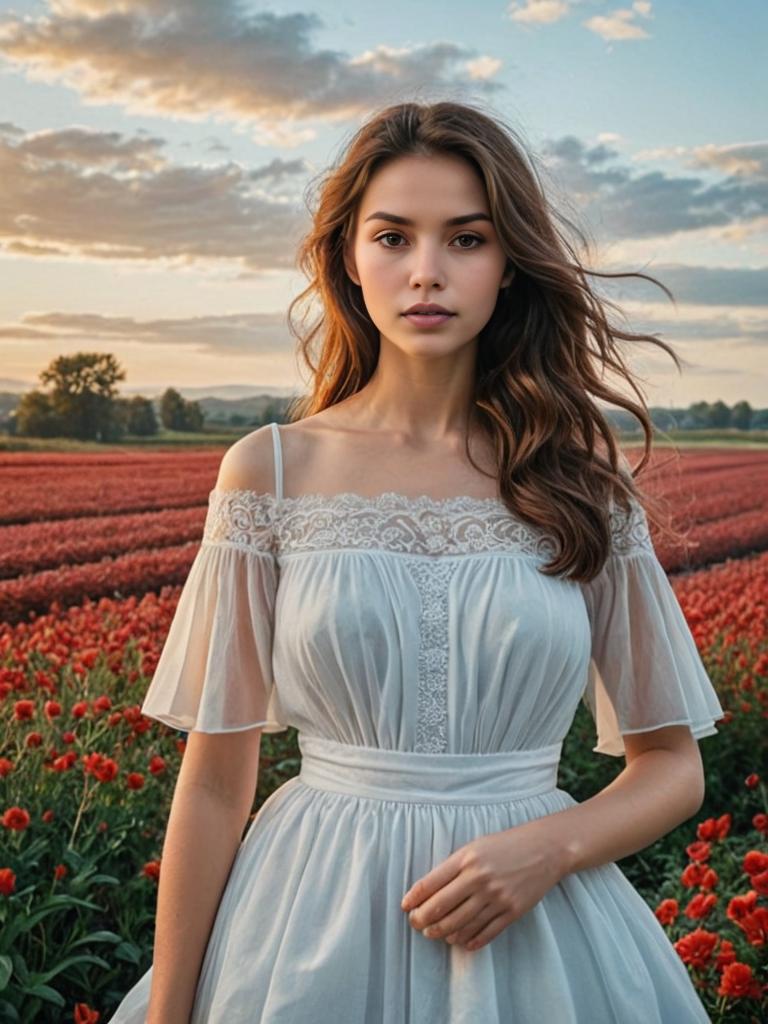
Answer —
486 884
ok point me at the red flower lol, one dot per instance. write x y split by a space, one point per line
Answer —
16 818
713 828
157 764
667 911
751 781
52 708
6 767
693 875
726 954
755 926
760 883
23 710
737 982
755 862
698 851
710 879
59 871
760 822
85 1015
700 905
102 703
134 780
7 881
740 906
80 709
151 869
102 768
47 816
697 948
33 739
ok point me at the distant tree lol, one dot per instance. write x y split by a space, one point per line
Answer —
760 419
83 395
236 419
176 413
719 415
741 416
140 416
698 414
35 416
81 403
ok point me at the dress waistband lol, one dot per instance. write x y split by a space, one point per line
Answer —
426 777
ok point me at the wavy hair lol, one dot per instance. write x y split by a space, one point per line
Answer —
540 358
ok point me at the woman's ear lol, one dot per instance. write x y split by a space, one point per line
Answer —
506 281
349 259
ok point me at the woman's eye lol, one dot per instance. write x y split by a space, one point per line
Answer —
396 234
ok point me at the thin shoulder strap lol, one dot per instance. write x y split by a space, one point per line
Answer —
278 458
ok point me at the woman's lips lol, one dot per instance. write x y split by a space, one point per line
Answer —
428 319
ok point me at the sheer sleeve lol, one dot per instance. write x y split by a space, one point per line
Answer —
214 673
645 670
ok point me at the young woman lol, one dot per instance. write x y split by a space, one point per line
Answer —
424 572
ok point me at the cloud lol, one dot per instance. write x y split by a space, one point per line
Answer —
79 193
627 204
198 60
231 334
620 25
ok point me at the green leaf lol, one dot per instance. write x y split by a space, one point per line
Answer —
102 936
44 992
8 1012
85 958
127 951
6 970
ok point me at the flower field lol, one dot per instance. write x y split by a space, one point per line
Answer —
93 552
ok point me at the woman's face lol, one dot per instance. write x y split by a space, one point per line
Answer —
458 266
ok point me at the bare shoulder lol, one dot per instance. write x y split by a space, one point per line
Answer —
249 463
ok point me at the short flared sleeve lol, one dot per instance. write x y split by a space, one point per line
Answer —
214 673
645 670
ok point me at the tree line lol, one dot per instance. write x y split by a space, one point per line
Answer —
83 403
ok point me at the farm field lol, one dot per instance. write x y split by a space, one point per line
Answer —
94 548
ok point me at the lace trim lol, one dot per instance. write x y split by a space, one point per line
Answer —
630 534
391 521
432 579
405 524
241 518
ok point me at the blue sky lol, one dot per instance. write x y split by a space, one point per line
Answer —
155 155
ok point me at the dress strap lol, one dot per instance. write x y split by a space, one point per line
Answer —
278 459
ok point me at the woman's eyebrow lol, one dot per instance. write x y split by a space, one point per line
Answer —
465 218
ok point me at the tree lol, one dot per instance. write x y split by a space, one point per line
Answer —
719 414
741 416
83 395
35 416
141 419
176 413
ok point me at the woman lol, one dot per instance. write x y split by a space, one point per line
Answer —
424 573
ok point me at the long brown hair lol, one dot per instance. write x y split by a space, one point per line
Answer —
540 357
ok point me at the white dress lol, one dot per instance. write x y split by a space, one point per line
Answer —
432 673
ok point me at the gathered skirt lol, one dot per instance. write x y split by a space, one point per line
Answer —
309 929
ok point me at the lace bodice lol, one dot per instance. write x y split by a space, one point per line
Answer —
390 521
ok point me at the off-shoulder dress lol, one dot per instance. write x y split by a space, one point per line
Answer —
432 674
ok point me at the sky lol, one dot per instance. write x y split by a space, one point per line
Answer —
155 156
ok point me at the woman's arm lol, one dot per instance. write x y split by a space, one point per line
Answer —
211 803
661 787
491 881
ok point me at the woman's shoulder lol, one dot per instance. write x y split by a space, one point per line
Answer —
249 463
